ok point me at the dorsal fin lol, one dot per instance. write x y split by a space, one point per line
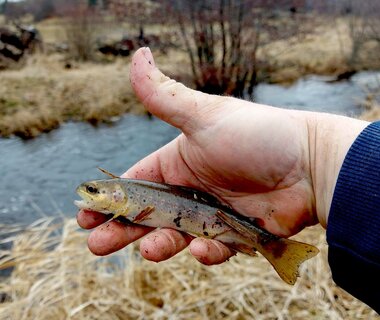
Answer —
108 173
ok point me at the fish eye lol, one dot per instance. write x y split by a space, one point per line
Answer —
91 189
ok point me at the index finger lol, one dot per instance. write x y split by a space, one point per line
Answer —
90 219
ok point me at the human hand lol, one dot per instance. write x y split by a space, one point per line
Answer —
279 166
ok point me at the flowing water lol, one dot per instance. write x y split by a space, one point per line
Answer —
38 177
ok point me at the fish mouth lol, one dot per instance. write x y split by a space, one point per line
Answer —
86 200
81 204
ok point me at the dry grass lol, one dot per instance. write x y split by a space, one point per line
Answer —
55 277
44 94
41 94
324 52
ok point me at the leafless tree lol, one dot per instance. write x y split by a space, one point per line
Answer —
82 24
222 39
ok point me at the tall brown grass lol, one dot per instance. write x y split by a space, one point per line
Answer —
44 94
55 277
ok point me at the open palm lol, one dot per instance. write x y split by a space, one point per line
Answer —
252 157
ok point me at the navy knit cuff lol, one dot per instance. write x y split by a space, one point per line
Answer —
353 231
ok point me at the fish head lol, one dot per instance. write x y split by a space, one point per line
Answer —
105 196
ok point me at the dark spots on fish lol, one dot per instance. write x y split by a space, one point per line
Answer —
196 207
144 200
204 225
103 191
146 251
219 223
205 233
177 220
150 62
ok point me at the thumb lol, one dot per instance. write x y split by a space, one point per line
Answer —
165 98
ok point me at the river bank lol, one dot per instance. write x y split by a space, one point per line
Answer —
49 89
44 94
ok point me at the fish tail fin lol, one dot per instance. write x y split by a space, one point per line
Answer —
286 256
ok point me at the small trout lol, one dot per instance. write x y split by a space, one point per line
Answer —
194 212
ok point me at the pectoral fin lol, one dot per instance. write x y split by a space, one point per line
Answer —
143 215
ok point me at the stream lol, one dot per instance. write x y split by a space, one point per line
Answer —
39 176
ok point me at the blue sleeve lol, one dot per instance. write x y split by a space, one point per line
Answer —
353 230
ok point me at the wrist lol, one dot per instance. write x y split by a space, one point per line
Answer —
330 138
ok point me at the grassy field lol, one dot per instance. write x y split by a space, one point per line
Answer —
56 277
43 94
323 52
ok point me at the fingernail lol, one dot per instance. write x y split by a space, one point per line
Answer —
148 56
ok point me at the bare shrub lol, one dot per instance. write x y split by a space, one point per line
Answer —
222 39
82 25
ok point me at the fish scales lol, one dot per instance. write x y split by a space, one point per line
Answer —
195 212
177 208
